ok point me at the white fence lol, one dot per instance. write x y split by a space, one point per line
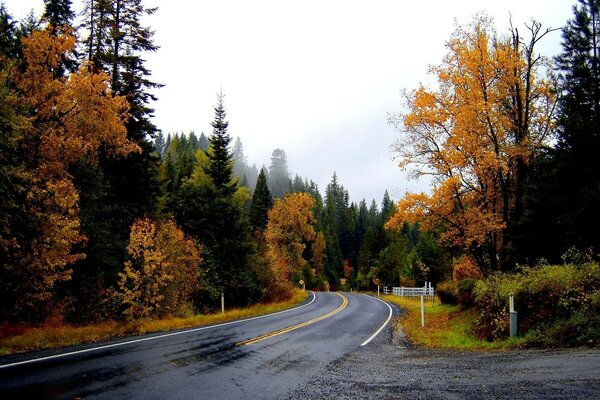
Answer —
402 291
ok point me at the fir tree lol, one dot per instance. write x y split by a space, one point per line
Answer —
58 12
579 136
262 201
279 176
220 168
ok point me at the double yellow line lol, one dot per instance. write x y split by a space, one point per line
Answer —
294 327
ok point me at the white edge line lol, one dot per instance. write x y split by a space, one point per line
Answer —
108 346
366 342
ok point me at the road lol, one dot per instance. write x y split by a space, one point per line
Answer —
264 358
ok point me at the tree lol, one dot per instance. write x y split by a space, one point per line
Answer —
127 188
220 168
476 135
210 207
58 13
576 195
291 236
66 119
279 176
162 272
262 201
9 46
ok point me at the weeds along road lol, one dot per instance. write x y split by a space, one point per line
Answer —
265 357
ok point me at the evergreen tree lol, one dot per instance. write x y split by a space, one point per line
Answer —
129 187
30 24
387 207
208 208
220 168
262 201
203 142
240 164
279 176
59 12
579 134
9 45
159 144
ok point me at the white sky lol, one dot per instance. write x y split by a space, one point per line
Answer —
314 77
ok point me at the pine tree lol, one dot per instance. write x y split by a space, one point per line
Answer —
262 201
203 142
579 134
59 12
279 176
9 45
220 168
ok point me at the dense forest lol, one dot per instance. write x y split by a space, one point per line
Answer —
103 216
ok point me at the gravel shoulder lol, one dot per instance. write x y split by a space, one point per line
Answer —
390 368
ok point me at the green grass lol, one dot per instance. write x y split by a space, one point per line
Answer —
446 326
15 339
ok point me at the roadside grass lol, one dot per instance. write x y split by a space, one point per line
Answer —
446 326
16 339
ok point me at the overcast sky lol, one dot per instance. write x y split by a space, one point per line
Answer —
316 78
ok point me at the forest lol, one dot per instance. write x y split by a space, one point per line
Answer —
105 217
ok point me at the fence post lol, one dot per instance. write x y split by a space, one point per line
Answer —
222 301
513 315
422 312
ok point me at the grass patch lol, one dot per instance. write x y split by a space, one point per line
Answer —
15 339
446 326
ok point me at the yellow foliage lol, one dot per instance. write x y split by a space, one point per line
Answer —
61 120
474 134
162 272
289 230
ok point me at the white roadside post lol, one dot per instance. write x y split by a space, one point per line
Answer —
513 315
422 312
303 285
222 301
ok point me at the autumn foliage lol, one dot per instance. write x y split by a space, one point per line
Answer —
475 135
57 121
162 272
292 239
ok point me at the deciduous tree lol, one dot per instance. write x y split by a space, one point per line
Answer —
475 135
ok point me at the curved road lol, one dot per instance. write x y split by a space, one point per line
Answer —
263 357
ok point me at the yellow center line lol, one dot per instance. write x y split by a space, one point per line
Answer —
294 327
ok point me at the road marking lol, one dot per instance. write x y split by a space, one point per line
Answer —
366 342
294 327
108 346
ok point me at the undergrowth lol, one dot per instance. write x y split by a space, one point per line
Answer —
21 338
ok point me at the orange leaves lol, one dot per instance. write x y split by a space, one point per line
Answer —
289 230
162 271
54 121
471 132
74 115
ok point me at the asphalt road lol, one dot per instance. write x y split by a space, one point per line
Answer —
264 358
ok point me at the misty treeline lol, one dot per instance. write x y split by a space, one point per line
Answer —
346 246
103 217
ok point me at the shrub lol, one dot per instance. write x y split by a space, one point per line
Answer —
447 292
465 292
465 268
556 304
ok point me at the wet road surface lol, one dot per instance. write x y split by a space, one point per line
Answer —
258 358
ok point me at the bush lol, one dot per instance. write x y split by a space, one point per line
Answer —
447 292
465 292
556 304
